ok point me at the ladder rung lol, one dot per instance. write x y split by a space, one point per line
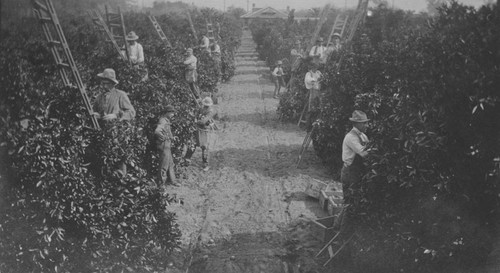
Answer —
115 25
46 19
54 43
63 65
41 6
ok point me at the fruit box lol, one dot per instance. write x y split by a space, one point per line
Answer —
314 188
322 228
334 205
327 193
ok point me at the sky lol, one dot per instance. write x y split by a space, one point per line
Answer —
416 5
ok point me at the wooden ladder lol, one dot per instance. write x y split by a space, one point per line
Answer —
338 26
47 16
158 29
99 21
116 26
192 26
359 17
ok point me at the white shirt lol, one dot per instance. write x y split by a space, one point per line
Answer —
205 43
354 143
312 80
278 71
216 49
317 51
190 62
136 53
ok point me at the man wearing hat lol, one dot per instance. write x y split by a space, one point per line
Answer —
164 139
112 103
317 51
205 43
353 152
205 123
312 81
136 53
278 78
217 57
333 47
191 74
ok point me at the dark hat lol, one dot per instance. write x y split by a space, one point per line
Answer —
358 116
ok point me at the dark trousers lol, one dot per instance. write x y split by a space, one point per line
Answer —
194 89
166 169
278 83
350 177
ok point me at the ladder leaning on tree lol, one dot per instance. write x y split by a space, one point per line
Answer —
99 21
47 16
116 26
158 29
359 16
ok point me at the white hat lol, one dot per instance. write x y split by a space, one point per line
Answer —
207 101
108 74
359 116
132 36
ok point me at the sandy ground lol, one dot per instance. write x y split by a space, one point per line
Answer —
249 212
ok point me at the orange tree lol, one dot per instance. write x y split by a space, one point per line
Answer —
67 211
430 194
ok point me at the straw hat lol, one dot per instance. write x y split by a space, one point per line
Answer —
108 74
132 36
207 101
320 39
169 109
358 116
279 63
189 50
336 35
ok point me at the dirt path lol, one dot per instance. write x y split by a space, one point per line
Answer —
249 213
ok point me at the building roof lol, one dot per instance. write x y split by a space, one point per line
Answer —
266 13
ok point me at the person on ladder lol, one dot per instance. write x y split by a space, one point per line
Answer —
136 54
354 150
312 81
297 53
317 51
278 78
191 75
205 43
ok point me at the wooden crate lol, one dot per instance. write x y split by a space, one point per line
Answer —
314 188
334 205
327 193
322 228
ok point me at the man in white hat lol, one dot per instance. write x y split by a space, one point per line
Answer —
312 81
333 47
353 152
205 123
191 74
136 53
278 78
112 103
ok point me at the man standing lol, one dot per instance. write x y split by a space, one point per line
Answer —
317 51
205 43
164 138
205 124
136 55
191 74
113 103
217 57
312 82
353 152
278 78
